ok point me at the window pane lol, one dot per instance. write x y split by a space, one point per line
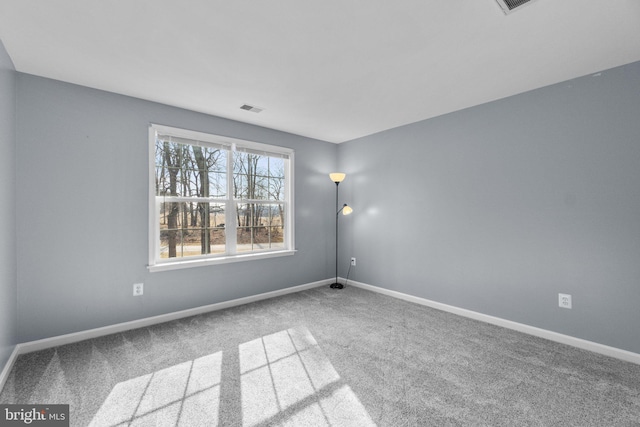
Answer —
191 229
186 170
245 229
203 241
216 215
276 167
276 237
276 188
244 215
258 177
245 237
171 173
170 243
259 227
218 184
170 216
259 238
218 239
240 186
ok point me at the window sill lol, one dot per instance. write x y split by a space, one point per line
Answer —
177 265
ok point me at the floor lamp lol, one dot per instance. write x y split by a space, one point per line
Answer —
338 177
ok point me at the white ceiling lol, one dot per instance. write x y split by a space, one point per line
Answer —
332 69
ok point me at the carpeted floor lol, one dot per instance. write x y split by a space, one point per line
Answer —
329 358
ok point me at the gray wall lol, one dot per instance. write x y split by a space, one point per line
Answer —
8 280
82 212
495 209
500 207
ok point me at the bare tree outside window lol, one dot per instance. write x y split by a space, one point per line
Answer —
215 199
186 172
259 184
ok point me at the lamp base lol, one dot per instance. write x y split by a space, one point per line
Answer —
336 286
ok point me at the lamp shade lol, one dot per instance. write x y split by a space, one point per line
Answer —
346 210
337 176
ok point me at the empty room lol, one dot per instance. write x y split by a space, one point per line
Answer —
337 213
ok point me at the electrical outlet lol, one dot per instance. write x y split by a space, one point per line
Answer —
564 300
138 289
353 261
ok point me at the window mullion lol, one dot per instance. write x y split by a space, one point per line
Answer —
230 216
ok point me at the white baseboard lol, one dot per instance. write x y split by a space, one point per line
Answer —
617 353
45 343
42 344
7 367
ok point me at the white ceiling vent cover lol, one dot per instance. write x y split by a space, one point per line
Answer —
509 6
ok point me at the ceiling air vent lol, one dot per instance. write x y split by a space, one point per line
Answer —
251 108
509 6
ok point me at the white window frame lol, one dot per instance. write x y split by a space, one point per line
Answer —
205 139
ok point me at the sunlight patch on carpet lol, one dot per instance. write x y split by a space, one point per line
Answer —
287 372
183 394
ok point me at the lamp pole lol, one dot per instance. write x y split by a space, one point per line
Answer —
337 285
338 177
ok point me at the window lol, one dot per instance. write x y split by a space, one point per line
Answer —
215 199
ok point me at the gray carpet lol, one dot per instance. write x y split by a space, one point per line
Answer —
329 358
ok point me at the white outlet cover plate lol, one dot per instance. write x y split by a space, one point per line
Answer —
564 300
138 289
